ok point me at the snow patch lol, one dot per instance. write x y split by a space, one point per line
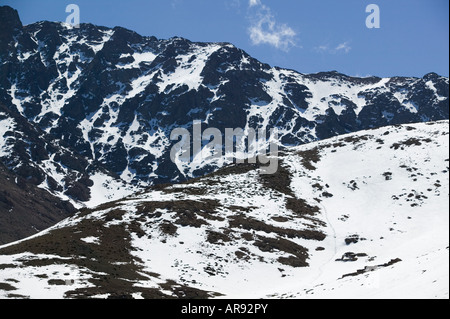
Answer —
189 69
6 125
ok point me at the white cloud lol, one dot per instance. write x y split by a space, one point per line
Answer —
253 3
322 48
340 48
344 47
265 29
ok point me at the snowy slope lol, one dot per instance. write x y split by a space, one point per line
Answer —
393 193
364 215
6 125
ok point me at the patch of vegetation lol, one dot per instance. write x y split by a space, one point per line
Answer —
247 236
135 228
309 157
217 238
357 139
353 239
189 218
187 211
184 292
281 219
232 169
318 187
388 176
280 181
240 209
57 282
410 142
115 215
235 169
251 224
6 266
168 228
190 191
6 287
300 207
327 195
12 280
338 144
110 205
205 205
299 254
241 255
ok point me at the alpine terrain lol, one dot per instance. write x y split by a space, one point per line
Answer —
358 205
364 215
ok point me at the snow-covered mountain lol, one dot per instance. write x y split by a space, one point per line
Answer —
86 113
114 96
363 215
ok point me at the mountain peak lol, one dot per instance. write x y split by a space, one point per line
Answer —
431 76
10 24
10 20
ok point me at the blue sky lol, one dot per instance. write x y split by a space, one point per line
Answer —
305 35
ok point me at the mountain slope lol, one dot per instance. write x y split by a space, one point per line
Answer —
112 97
362 215
18 198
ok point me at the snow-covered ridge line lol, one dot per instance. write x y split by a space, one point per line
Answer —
363 215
